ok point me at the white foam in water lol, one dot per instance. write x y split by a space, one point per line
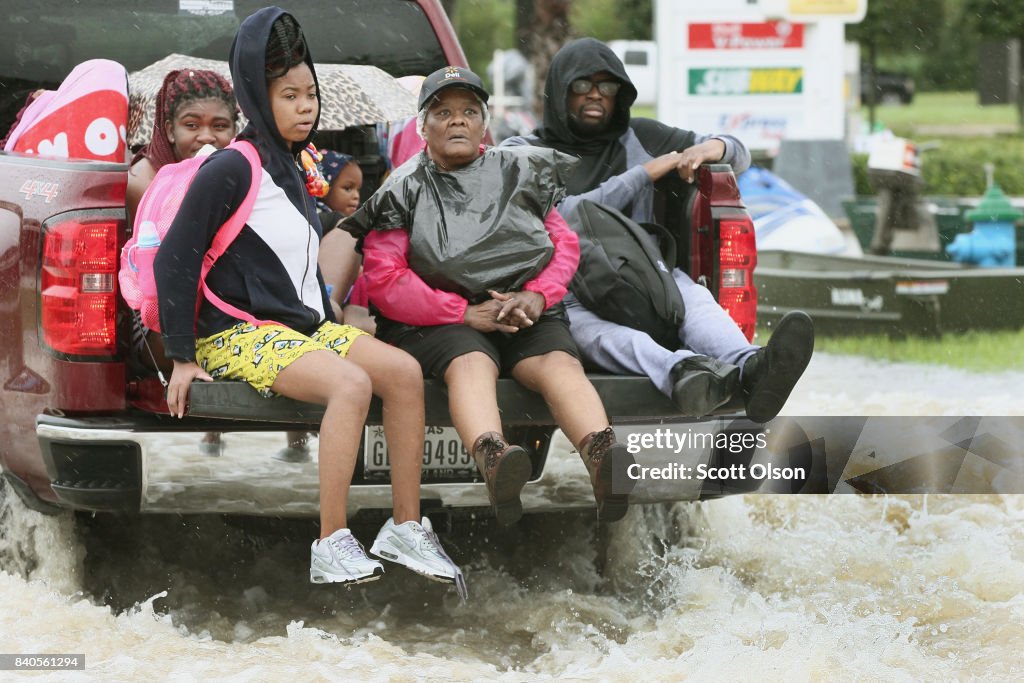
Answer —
36 546
848 385
754 587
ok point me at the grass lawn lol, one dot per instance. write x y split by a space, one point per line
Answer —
642 112
942 110
977 351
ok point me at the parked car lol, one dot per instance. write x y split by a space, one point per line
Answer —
891 88
87 428
640 57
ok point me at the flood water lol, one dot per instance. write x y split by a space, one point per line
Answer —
760 587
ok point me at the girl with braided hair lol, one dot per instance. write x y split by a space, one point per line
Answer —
194 108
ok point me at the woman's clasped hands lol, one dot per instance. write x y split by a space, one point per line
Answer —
506 312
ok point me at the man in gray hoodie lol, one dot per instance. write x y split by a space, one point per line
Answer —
588 96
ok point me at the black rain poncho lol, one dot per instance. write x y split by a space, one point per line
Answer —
476 228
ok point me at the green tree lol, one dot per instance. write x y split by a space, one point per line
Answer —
596 18
997 19
538 28
952 63
613 19
549 30
896 27
484 26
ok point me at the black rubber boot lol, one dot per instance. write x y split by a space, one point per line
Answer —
771 373
701 384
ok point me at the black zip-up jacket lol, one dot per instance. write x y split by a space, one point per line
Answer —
270 270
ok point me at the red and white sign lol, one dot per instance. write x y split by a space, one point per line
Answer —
894 154
770 35
763 76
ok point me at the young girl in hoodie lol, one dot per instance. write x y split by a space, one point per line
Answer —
270 271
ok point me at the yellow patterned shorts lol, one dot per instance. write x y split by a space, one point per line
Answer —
256 354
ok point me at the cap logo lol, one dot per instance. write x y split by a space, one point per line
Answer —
452 72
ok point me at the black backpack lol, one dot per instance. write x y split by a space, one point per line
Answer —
622 276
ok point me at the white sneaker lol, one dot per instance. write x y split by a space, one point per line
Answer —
415 546
340 558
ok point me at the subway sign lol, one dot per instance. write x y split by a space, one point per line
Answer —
746 81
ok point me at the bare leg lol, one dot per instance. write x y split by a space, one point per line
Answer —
339 262
578 410
473 396
573 400
398 380
344 389
156 347
359 316
473 404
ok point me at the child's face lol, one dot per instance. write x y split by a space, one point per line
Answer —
344 194
197 123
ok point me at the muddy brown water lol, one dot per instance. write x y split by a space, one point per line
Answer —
747 587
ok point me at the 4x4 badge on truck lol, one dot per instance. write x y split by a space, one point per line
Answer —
32 188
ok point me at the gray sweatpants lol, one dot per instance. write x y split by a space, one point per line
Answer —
707 329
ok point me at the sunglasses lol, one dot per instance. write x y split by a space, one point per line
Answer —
582 86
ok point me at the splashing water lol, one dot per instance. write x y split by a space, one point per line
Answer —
759 586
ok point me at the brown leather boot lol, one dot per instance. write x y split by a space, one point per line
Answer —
505 468
601 453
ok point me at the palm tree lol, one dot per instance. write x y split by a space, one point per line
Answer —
542 28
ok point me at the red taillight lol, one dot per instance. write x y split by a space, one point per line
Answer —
78 308
737 259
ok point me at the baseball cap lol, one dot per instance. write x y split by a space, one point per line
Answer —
451 76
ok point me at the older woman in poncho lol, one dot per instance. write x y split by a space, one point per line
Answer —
466 262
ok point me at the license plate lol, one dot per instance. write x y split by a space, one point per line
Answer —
444 456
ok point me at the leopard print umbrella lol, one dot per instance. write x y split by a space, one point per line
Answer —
350 94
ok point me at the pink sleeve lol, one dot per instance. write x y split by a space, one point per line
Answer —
397 291
406 143
553 281
357 295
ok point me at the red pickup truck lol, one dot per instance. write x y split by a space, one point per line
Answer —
85 429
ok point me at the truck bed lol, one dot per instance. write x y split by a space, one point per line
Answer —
626 399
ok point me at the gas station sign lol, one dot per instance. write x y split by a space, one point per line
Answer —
756 70
770 35
744 81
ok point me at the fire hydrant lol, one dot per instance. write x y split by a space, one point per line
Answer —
992 242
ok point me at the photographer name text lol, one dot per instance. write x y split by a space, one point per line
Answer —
678 471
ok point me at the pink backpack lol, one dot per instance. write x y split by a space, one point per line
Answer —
157 209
